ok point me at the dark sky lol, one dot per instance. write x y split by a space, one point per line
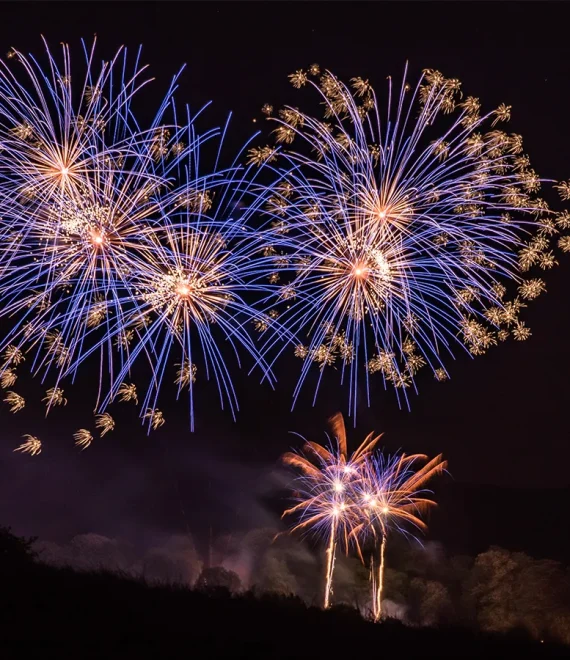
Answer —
502 419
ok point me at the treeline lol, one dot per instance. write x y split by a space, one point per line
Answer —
496 591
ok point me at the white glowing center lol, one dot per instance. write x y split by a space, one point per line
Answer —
183 290
360 270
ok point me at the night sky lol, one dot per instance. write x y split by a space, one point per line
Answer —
501 420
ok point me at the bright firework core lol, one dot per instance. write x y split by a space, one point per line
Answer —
175 289
360 270
336 510
373 264
183 289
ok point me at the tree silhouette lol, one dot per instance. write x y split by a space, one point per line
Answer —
15 550
218 577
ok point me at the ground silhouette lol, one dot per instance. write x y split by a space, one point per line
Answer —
101 614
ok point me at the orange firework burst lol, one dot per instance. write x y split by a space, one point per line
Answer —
324 491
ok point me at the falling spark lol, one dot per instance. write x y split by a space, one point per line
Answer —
13 355
128 392
54 397
186 374
32 445
8 378
155 418
15 401
83 438
104 422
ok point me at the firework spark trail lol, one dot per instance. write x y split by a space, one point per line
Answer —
331 558
392 248
323 492
377 577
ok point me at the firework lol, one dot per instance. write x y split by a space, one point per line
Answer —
392 237
32 445
395 240
324 492
189 292
128 392
350 499
13 356
8 378
155 418
115 244
56 130
390 495
54 397
81 182
83 438
15 401
104 422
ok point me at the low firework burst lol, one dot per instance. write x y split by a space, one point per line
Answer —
324 492
390 495
351 500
